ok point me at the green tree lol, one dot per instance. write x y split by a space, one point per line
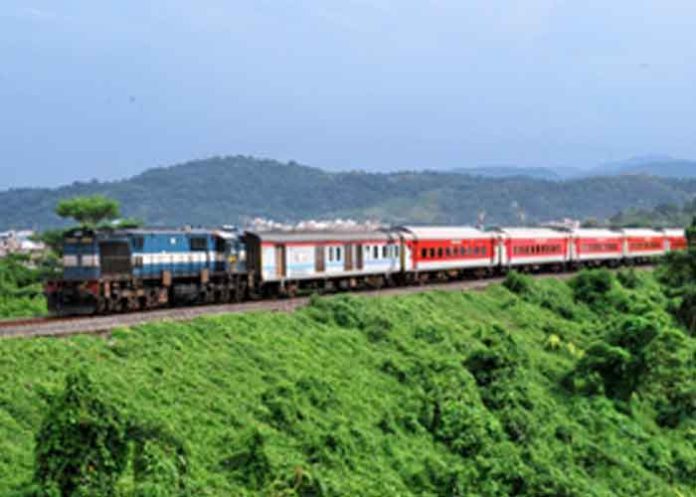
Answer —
678 274
89 211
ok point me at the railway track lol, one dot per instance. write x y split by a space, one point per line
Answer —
57 327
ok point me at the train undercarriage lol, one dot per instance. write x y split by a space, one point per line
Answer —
111 296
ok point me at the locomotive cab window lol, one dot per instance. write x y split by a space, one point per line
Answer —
138 243
199 244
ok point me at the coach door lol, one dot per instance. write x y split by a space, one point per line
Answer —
319 259
348 264
280 261
359 257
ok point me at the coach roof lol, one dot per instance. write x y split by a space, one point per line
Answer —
445 232
597 233
320 236
524 233
641 232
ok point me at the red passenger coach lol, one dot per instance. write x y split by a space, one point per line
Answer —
450 248
643 243
534 247
675 240
595 245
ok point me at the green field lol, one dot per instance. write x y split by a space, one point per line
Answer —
553 389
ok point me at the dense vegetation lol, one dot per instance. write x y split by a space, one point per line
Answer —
534 388
232 189
666 215
20 288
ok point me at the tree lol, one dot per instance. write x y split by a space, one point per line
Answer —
88 211
678 274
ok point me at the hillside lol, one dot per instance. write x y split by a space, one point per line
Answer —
659 166
544 173
664 215
502 392
230 190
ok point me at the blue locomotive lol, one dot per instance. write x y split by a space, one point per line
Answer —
135 269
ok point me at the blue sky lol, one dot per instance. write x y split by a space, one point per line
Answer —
107 89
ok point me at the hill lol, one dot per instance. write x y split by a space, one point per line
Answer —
232 189
663 215
659 166
544 173
502 392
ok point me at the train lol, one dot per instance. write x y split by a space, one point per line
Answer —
113 271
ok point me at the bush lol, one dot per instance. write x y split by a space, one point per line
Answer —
593 286
82 445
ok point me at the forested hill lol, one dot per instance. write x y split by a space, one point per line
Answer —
232 189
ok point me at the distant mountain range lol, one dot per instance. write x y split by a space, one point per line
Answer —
232 190
656 165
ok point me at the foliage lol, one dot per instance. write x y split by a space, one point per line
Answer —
20 288
668 215
439 393
88 210
224 190
678 275
81 447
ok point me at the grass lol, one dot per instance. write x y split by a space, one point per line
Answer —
435 394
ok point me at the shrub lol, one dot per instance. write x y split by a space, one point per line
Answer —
82 446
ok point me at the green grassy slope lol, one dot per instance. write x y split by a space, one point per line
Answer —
436 394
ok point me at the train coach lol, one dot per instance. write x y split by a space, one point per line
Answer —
128 270
286 261
439 252
595 247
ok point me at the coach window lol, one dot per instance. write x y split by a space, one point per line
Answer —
338 253
396 250
448 252
431 252
384 251
424 253
375 252
439 253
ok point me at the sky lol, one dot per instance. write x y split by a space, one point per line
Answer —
108 89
